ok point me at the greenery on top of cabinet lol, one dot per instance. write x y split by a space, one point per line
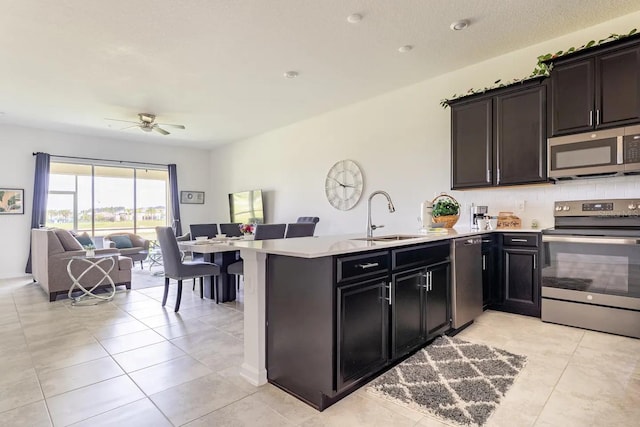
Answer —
542 68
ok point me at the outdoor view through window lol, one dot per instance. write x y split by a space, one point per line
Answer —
105 199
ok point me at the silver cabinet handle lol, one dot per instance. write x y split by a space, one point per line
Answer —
498 177
519 240
431 280
426 281
591 118
367 265
534 261
389 298
597 117
488 175
484 262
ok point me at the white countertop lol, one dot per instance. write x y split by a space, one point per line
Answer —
320 246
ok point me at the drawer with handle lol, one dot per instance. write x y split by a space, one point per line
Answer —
363 265
520 239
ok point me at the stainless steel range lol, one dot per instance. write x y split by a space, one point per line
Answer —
591 266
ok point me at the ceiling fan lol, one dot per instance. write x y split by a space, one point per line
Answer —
147 123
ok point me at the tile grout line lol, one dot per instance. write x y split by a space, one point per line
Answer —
559 378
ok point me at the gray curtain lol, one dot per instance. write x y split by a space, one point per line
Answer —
40 193
175 200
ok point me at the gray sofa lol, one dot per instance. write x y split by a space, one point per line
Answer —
51 250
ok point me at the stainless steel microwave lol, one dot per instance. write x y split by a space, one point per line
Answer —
607 152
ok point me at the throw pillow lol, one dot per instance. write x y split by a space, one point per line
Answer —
122 242
69 243
84 239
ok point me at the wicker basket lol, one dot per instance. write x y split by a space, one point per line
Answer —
447 221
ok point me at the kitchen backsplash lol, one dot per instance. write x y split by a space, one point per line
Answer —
539 198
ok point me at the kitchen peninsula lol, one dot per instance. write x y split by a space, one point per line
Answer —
310 303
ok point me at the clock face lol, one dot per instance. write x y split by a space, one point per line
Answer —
343 185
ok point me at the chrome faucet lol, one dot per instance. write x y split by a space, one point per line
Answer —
370 226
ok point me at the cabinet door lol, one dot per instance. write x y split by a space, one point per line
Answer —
572 97
437 317
618 88
362 330
407 323
521 137
471 144
490 281
520 281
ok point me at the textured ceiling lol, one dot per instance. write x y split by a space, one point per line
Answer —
217 66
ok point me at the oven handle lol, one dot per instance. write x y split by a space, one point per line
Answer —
596 240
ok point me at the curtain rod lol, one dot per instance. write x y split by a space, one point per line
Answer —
105 160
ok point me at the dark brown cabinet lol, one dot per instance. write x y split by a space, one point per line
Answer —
520 274
437 306
334 322
363 330
420 307
490 279
500 139
597 90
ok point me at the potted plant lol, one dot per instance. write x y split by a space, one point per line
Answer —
91 249
446 210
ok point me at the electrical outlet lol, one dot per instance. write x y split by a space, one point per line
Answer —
521 205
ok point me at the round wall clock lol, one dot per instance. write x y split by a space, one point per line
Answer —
343 185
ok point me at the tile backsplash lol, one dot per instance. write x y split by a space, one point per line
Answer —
539 199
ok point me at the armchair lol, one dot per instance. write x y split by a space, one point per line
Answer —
129 245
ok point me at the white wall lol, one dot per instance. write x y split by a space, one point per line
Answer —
402 142
17 170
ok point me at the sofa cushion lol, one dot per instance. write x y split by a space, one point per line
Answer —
69 243
122 242
84 239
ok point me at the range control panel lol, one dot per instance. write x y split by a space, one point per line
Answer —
610 207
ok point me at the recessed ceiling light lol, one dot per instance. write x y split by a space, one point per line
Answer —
354 18
291 74
459 25
406 48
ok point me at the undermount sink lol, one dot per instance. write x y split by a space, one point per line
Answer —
390 238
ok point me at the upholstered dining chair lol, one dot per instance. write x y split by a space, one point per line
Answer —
313 219
300 229
263 232
209 230
231 230
177 269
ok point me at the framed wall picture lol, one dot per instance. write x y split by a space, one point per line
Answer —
192 197
11 201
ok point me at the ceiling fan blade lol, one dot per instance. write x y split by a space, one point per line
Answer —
172 126
129 127
119 120
160 130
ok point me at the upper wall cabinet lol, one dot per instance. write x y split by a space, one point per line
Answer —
596 90
499 138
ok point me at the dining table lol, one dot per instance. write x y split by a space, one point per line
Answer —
220 251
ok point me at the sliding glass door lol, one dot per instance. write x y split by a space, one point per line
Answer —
103 200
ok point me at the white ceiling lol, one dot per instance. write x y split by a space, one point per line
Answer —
217 66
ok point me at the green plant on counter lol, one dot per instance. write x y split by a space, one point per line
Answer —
445 207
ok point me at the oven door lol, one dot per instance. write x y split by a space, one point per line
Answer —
596 270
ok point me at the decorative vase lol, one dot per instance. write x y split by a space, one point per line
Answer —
248 236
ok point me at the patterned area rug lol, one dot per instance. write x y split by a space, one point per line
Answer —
455 380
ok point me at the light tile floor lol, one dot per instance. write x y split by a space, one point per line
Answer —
132 363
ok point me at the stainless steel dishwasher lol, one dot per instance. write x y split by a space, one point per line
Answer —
466 298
